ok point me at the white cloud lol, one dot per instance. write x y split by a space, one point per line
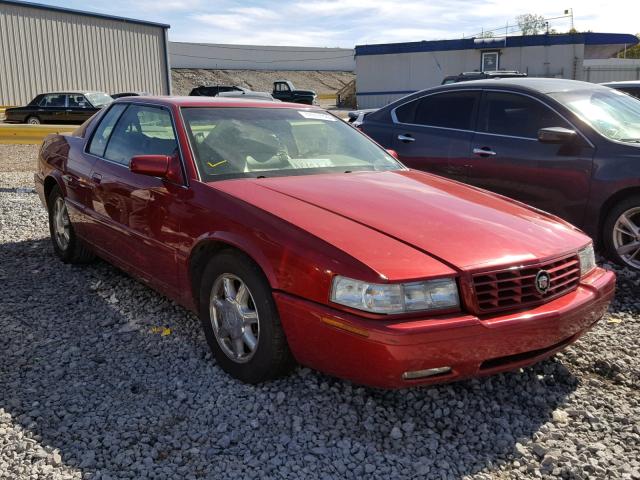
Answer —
350 22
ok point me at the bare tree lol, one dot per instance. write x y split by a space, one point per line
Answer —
530 23
486 34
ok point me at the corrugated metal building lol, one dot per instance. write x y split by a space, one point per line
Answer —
259 57
386 72
44 48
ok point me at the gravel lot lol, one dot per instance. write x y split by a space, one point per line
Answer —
100 377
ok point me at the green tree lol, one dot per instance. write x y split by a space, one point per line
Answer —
530 23
633 52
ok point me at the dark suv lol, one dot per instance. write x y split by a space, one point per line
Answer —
567 147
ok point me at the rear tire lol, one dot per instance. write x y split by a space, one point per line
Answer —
621 233
67 246
240 319
33 121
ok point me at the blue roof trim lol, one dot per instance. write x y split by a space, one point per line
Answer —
41 6
393 92
588 38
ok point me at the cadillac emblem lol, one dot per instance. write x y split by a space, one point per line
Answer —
543 282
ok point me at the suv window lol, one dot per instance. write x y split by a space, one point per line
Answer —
54 100
516 115
448 110
104 129
141 130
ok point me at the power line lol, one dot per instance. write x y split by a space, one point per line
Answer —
515 26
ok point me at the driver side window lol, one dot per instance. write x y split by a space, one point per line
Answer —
141 130
516 115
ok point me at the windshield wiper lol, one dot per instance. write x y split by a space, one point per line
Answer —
630 140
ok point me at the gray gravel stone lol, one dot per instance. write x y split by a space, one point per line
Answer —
87 390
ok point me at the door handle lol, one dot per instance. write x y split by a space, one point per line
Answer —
406 138
484 152
96 177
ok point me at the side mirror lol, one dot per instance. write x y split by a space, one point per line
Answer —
151 165
393 153
556 135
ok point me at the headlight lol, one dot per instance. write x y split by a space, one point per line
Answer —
439 294
587 259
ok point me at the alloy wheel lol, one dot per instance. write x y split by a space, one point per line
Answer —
234 318
626 237
61 224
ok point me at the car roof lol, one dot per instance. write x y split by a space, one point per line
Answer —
540 85
215 102
622 83
64 92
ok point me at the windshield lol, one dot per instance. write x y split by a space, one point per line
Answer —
99 99
613 114
264 142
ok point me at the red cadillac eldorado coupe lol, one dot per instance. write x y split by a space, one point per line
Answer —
296 238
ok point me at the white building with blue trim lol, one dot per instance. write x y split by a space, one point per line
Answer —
386 72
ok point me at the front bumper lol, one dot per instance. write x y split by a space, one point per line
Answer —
378 352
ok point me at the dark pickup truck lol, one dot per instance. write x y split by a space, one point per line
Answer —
285 91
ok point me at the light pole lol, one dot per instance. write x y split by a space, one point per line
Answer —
570 13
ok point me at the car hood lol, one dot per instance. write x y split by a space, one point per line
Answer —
463 227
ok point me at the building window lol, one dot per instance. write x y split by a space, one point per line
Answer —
490 61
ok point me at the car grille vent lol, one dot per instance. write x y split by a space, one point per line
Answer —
515 287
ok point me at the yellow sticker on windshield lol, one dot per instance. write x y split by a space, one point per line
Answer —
214 165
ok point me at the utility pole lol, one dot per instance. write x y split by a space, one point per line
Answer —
570 13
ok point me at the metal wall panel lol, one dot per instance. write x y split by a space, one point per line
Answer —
46 50
386 77
611 70
259 57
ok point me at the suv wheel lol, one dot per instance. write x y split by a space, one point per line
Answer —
622 233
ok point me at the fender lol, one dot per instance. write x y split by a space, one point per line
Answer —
243 244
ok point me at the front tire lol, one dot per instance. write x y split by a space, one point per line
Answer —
33 121
66 244
621 233
240 320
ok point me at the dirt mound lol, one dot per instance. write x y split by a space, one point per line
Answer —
322 82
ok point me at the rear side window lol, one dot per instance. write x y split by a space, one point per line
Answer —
103 131
447 110
634 92
141 130
516 115
54 100
406 113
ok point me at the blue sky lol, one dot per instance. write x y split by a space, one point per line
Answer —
345 23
